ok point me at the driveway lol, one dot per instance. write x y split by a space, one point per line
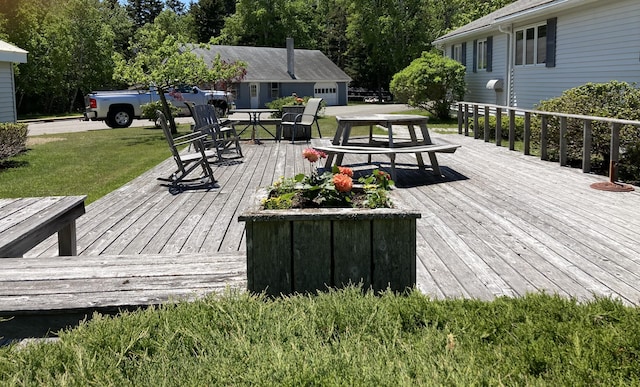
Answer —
77 125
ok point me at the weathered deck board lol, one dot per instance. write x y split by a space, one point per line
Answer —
499 223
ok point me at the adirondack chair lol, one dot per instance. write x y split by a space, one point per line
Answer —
221 135
305 120
187 163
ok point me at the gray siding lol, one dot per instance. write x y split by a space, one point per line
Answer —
7 93
597 43
477 82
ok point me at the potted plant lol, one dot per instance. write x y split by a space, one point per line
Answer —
308 233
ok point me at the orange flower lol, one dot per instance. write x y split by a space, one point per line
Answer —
311 154
342 182
346 171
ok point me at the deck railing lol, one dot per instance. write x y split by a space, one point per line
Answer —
469 112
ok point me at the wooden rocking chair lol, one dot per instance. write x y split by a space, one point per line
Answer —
187 163
221 136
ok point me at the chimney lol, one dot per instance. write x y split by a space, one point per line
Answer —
290 61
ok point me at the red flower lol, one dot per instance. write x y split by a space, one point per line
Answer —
342 182
346 171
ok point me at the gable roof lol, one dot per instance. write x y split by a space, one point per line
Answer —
11 53
514 12
268 64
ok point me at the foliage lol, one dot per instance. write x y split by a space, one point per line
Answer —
384 36
13 139
291 100
149 110
431 82
70 44
330 189
143 12
85 163
209 17
268 23
613 99
519 127
343 337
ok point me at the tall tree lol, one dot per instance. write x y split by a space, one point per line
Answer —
269 22
70 49
209 17
144 11
176 6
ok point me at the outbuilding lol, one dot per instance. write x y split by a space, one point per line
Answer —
274 73
533 50
9 54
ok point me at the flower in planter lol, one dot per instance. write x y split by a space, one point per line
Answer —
333 188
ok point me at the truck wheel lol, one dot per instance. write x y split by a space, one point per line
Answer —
120 118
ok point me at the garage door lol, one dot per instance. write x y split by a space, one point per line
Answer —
328 92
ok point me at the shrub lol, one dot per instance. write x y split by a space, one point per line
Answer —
613 99
149 110
505 127
288 101
13 139
431 82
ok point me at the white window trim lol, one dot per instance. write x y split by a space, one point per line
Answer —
481 60
524 45
457 52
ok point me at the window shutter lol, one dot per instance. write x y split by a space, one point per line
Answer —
464 54
489 54
452 51
552 25
475 56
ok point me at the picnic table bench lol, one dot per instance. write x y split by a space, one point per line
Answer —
26 222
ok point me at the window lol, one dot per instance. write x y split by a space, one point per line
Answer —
482 55
531 45
457 52
275 90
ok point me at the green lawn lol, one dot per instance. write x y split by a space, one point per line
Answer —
90 163
343 338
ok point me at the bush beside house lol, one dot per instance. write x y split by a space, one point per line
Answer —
13 139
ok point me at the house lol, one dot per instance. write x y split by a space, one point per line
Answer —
532 50
9 54
274 73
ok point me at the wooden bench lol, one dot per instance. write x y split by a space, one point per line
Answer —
373 148
39 296
26 222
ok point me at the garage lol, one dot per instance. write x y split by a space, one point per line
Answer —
327 91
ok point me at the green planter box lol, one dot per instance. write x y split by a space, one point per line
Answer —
304 250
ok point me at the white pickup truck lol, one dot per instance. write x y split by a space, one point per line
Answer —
119 108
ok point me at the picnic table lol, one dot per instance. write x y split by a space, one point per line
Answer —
417 143
26 222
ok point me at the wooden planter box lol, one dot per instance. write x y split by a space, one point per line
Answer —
304 250
305 134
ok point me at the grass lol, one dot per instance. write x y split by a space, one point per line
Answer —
343 338
86 163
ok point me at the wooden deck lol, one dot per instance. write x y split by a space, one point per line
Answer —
498 224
